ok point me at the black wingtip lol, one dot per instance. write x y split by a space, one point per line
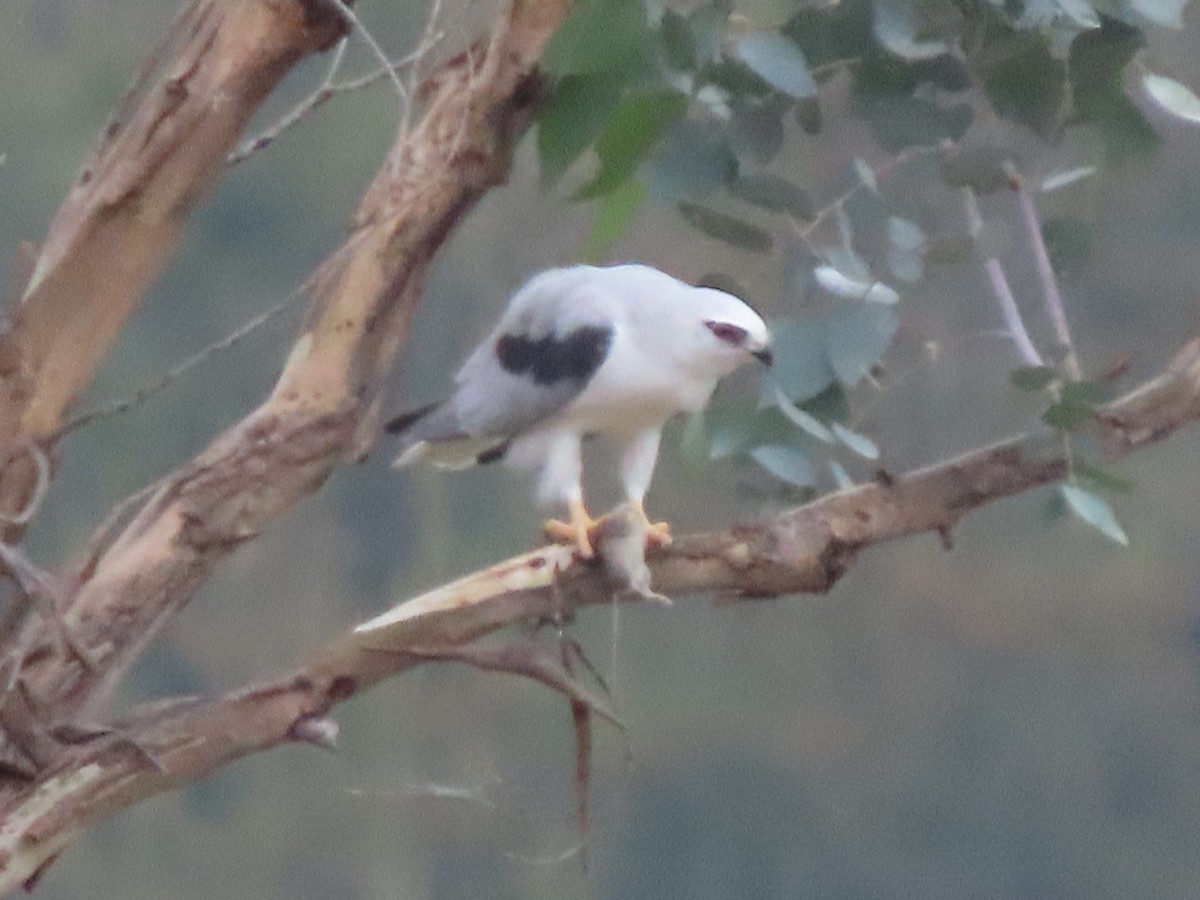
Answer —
492 454
407 420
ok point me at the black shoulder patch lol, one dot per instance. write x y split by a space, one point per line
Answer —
573 357
492 454
407 420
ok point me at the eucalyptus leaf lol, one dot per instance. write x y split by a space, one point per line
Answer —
771 192
1033 378
859 335
1061 180
633 131
806 422
866 174
840 285
905 234
858 443
895 28
597 35
726 228
692 161
1174 97
1068 415
1103 478
618 209
906 265
777 61
802 369
1161 12
786 463
840 476
981 168
573 116
879 292
1094 510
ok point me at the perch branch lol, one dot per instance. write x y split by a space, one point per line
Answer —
804 549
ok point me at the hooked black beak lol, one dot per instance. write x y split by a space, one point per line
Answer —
764 356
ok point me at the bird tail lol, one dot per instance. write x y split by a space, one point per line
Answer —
433 433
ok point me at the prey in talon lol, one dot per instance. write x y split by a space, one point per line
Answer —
585 351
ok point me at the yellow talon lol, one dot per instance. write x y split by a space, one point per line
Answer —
577 530
658 534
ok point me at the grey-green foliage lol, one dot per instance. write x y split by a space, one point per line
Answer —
704 108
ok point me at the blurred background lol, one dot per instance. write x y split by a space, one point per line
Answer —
1018 717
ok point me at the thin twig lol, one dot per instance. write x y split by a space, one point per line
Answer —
1013 322
327 91
144 393
1045 270
429 38
373 45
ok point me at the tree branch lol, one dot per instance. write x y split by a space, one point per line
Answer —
805 549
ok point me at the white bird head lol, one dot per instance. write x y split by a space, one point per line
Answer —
728 331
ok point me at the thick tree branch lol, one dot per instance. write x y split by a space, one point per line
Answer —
321 410
121 221
805 549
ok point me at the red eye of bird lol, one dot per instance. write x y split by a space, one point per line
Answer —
730 334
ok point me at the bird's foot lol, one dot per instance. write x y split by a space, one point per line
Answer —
658 534
577 530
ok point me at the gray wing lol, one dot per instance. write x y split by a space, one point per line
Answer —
557 332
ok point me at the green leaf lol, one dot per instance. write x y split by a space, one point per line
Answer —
840 476
858 443
896 29
902 122
1087 393
802 368
1175 98
786 463
679 47
806 422
634 130
692 161
1161 12
1097 65
778 62
981 168
707 25
617 210
756 128
905 234
731 430
1020 75
859 334
1094 510
1033 378
726 228
597 35
1068 415
771 192
572 117
907 265
1104 479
